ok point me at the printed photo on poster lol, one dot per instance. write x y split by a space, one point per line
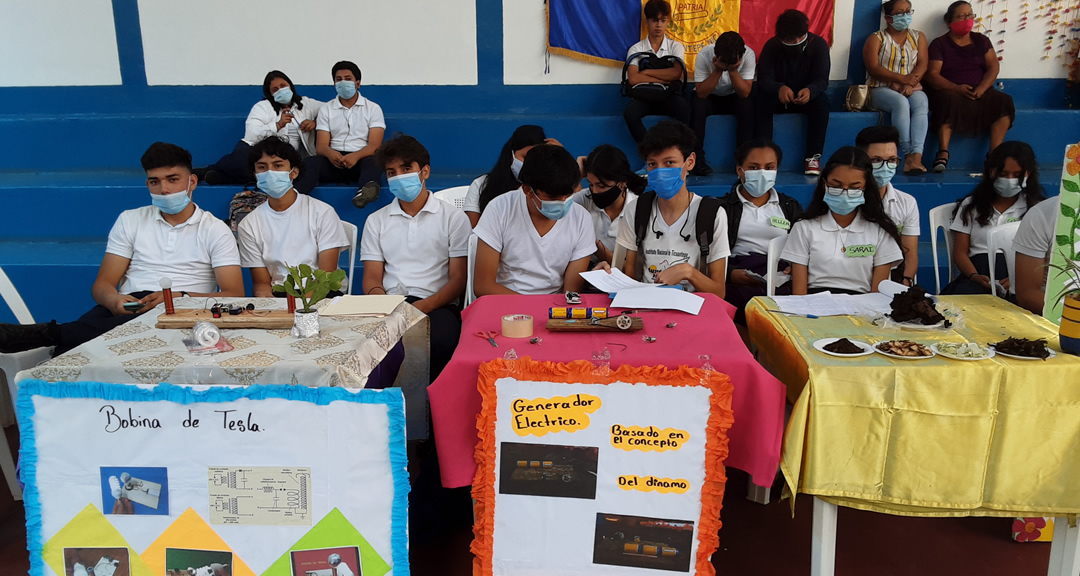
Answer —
341 561
96 562
548 470
135 490
642 542
182 562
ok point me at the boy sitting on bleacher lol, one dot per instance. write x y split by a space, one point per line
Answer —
419 242
172 238
289 229
536 240
676 236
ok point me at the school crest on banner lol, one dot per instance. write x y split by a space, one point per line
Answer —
698 23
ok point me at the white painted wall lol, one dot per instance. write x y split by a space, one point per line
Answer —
236 42
525 49
58 43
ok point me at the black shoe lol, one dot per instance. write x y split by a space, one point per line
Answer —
367 194
20 337
200 173
701 169
214 178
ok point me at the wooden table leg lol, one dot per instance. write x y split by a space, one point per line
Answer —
823 550
1065 549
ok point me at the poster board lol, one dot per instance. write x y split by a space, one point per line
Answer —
584 470
1067 233
213 481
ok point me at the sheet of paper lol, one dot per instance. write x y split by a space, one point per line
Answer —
611 282
372 305
658 298
820 304
890 288
260 495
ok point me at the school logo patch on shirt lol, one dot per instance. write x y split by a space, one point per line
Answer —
860 251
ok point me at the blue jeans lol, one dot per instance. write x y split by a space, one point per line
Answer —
910 115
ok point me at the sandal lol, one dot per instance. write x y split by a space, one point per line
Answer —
913 165
941 164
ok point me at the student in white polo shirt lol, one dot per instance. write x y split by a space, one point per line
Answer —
757 213
172 238
882 144
536 240
1033 242
503 176
612 183
289 229
348 131
419 242
646 70
724 77
1009 186
663 233
844 242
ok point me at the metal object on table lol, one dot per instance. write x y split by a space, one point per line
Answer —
620 323
490 336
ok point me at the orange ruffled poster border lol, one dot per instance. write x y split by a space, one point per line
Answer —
716 445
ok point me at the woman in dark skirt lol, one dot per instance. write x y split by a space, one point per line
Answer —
963 69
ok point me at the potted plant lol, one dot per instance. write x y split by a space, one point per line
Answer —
1069 330
309 286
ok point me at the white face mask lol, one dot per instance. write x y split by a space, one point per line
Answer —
515 166
1009 187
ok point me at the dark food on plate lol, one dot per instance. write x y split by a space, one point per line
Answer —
843 346
904 348
1023 347
913 305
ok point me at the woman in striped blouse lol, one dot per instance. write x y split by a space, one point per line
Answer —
896 61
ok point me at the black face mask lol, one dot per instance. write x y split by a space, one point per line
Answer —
605 199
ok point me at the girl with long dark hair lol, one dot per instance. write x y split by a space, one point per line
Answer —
611 180
503 176
844 242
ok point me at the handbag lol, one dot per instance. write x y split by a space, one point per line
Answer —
652 92
858 98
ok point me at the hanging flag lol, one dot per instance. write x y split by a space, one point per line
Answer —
757 20
594 31
698 23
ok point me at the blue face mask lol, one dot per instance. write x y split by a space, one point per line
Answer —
171 203
757 183
554 209
283 96
1008 187
405 187
274 182
345 89
842 203
884 174
666 182
900 22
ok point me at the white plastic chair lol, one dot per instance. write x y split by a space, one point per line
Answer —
1000 239
470 291
351 232
941 217
10 365
454 196
772 261
618 257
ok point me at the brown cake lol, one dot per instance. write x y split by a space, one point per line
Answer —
913 305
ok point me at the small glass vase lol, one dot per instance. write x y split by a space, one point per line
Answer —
305 324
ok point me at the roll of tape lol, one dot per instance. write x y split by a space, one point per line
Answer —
205 334
517 326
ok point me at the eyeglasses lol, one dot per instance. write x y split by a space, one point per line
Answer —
908 13
964 17
849 192
891 163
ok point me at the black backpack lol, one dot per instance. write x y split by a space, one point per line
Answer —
652 92
703 224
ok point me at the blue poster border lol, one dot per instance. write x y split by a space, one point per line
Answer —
392 398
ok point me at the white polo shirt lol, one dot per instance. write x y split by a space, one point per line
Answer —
903 210
980 234
530 263
605 230
472 197
1035 237
416 250
668 47
187 253
759 225
826 250
703 68
349 127
271 239
670 248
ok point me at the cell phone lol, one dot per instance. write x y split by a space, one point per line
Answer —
133 306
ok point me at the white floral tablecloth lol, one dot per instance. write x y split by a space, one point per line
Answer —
343 354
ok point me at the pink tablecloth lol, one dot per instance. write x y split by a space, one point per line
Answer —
758 402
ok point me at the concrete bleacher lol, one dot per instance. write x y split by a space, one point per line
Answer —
61 203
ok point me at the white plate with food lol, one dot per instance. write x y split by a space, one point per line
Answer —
903 350
866 349
1019 344
967 351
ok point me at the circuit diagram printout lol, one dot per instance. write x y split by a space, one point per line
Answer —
260 495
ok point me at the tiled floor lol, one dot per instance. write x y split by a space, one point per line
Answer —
755 540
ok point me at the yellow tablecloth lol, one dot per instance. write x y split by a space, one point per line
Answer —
937 437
